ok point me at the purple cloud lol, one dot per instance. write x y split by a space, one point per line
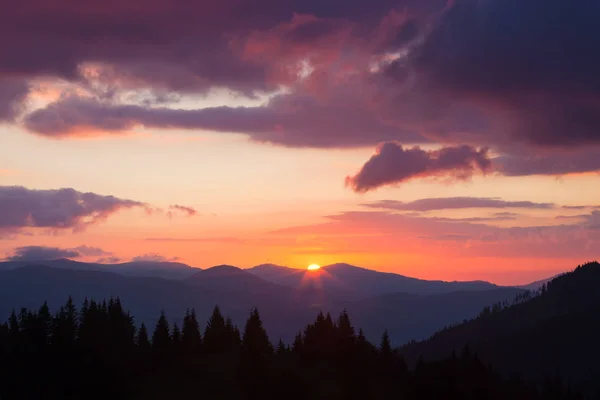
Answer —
91 251
459 73
153 257
56 209
189 211
540 67
554 163
41 253
13 93
392 164
291 120
448 203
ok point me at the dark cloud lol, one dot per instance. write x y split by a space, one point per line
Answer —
41 253
555 163
535 58
291 120
178 45
189 211
13 93
392 164
56 209
518 77
153 257
447 203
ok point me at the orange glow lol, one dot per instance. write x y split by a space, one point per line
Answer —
313 267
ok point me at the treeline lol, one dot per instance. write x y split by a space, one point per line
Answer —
96 352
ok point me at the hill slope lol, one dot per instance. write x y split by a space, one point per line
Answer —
554 333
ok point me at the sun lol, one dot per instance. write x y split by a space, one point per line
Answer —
313 267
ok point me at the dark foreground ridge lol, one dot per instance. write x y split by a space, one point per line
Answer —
553 333
96 352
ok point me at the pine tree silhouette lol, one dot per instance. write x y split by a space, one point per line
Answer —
191 339
161 339
142 340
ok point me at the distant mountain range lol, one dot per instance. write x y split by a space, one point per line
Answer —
354 282
409 308
168 270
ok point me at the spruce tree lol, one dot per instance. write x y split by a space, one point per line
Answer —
385 348
176 335
215 335
191 340
161 339
255 341
142 339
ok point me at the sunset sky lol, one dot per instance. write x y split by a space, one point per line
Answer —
440 139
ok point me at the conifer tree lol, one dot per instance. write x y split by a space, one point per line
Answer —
297 344
215 335
161 339
191 340
385 348
234 339
281 348
176 335
142 339
255 341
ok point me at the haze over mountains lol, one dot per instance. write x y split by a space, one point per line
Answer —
409 308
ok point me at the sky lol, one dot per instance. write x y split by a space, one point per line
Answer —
453 140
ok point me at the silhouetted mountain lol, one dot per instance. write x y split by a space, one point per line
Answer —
227 278
354 282
235 291
169 270
554 333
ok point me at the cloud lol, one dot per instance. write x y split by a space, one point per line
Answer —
449 203
555 163
91 251
339 74
56 209
41 253
189 211
153 257
539 73
579 207
13 93
392 164
291 120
